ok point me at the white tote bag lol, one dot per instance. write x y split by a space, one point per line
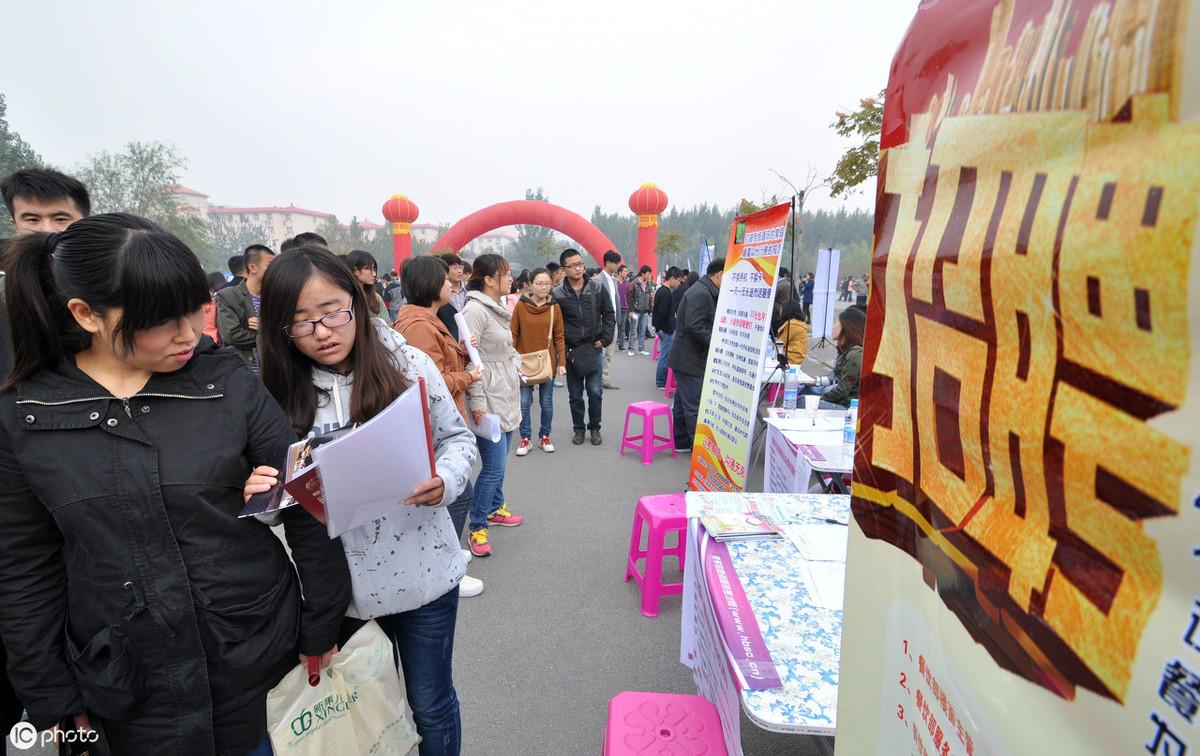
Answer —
358 707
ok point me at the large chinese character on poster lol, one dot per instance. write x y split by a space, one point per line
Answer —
1024 574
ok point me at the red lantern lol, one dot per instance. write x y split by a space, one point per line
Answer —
648 202
400 211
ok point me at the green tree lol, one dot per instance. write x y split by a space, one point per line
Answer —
535 245
15 153
139 180
230 238
859 163
671 249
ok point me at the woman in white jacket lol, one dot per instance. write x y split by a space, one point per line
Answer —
330 365
498 393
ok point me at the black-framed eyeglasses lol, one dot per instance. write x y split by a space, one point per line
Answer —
302 328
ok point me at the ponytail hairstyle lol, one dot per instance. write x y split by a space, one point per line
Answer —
287 372
485 266
110 261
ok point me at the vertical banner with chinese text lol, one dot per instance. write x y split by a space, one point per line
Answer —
729 400
1024 564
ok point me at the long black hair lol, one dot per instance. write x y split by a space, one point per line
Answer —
110 261
287 372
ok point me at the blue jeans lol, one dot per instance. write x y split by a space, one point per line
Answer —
424 645
623 335
459 507
263 748
489 486
664 349
595 394
643 330
546 399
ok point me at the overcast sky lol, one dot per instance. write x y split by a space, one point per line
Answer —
336 106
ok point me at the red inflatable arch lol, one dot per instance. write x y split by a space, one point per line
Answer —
530 212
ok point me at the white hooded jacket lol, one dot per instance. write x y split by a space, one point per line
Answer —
410 556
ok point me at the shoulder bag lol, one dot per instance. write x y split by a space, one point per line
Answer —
538 367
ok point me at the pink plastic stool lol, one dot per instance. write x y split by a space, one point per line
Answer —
650 724
657 343
659 515
669 388
650 442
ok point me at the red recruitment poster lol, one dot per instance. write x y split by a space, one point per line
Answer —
740 334
1023 569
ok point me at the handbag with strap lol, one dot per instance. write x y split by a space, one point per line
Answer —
538 367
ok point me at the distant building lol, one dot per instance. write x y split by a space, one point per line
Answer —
272 224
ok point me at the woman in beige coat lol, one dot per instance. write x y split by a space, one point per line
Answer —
498 393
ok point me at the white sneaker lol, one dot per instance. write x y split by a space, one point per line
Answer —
524 447
645 353
631 352
470 587
467 555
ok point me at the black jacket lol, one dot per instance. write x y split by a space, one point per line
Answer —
663 318
587 314
129 588
693 328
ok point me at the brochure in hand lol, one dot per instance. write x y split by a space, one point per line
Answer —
739 526
355 475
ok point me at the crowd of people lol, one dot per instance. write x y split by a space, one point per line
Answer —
132 596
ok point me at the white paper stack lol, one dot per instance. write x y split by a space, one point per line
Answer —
369 471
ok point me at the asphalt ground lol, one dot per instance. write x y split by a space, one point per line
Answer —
556 632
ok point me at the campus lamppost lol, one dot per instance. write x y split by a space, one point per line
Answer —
400 211
648 202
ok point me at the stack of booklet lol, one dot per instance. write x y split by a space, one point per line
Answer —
739 527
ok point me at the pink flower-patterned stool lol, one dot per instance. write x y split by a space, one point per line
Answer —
662 724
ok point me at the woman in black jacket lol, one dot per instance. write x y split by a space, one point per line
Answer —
132 598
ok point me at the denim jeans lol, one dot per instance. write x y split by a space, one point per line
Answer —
489 486
575 388
546 399
424 646
643 330
623 331
458 509
686 408
664 349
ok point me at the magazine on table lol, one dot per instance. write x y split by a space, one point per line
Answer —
351 476
739 526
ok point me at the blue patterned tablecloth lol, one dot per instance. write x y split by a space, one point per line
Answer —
804 640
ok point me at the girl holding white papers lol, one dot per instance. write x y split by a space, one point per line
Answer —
499 393
330 365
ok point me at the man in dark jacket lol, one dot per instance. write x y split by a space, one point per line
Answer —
664 322
39 200
689 350
237 269
589 325
238 307
806 295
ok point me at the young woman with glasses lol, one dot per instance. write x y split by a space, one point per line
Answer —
331 365
537 325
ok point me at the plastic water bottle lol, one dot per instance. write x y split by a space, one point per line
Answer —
791 388
848 430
